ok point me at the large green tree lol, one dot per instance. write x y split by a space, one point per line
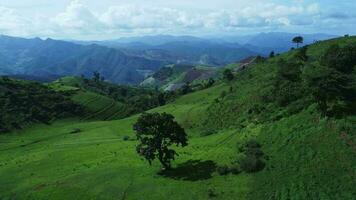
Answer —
156 133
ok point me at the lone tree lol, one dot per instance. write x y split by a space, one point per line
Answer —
156 132
271 55
228 75
298 40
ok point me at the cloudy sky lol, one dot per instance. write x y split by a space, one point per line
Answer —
109 19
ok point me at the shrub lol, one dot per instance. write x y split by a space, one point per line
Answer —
250 144
227 75
223 170
126 138
211 193
235 169
253 156
251 164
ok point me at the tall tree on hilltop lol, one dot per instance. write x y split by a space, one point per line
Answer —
298 40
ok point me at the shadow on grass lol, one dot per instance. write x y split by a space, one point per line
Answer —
192 170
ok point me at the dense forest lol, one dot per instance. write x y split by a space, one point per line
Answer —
24 102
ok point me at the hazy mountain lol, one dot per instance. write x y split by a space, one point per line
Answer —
49 57
208 51
184 49
154 40
279 42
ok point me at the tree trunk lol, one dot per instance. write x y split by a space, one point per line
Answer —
160 158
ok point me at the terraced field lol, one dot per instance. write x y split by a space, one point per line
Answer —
98 107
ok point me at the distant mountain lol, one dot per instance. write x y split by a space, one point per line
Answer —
155 40
180 50
131 60
279 42
207 51
48 58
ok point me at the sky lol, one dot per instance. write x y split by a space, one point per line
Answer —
111 19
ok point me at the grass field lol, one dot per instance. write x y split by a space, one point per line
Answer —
49 162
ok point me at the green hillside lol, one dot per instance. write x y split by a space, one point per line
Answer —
308 150
104 101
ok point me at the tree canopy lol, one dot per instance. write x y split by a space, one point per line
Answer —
156 132
298 40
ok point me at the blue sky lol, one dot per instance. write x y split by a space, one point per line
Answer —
109 19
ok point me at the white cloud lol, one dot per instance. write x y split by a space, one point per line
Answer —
11 22
78 21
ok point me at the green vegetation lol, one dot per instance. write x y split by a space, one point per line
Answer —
23 103
156 132
228 75
269 137
102 99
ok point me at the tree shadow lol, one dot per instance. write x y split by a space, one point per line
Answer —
192 170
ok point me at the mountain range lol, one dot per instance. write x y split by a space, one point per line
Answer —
46 58
131 60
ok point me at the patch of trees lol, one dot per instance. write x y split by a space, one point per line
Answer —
332 81
24 102
250 159
156 132
329 82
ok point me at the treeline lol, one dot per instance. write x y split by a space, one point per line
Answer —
24 102
329 81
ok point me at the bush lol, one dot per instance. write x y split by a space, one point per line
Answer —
251 164
250 144
211 193
227 75
126 138
223 170
235 169
252 160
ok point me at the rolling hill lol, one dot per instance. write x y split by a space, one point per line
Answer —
308 154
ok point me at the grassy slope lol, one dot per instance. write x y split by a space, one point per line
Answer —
48 161
308 157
